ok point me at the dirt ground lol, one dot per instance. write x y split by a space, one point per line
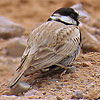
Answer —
86 78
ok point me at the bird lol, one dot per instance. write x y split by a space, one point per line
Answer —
55 42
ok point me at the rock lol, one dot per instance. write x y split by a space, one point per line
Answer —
16 47
58 98
86 64
9 29
90 34
20 88
78 94
86 81
79 8
60 86
90 85
89 41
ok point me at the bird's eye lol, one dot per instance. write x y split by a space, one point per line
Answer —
72 15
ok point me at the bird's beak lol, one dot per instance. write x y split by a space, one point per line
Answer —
80 18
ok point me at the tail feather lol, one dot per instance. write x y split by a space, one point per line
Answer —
15 79
20 72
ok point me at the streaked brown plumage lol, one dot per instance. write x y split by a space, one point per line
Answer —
52 43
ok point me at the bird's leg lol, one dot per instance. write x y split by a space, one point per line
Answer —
67 68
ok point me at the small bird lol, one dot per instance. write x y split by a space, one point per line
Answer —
55 42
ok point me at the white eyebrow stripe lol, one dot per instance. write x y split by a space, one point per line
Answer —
66 19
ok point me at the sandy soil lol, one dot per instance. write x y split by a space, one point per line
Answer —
87 75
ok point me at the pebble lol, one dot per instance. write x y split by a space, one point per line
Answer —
16 46
86 81
10 29
86 64
60 86
59 98
90 85
90 42
20 88
78 94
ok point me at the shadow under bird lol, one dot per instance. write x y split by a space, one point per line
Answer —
55 42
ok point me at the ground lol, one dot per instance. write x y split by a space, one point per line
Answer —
86 77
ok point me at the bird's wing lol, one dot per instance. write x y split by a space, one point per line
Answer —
48 44
53 42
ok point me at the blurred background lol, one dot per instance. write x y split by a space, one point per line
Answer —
30 12
19 17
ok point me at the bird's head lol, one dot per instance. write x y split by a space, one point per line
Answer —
67 16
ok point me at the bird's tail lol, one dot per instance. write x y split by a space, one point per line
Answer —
20 72
15 79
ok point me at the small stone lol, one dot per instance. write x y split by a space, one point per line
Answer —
90 85
90 41
59 87
97 74
86 64
20 88
9 29
86 81
44 93
78 94
59 98
16 47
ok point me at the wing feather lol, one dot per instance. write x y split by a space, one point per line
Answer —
48 44
51 43
56 45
